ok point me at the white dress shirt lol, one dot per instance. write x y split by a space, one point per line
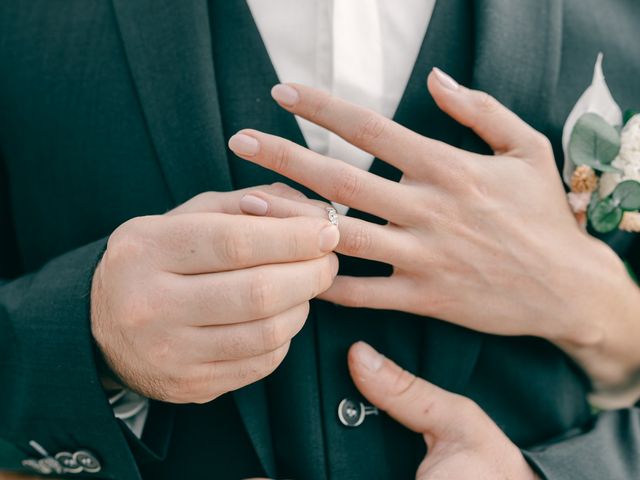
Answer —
360 50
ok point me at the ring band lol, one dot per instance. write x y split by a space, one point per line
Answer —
333 216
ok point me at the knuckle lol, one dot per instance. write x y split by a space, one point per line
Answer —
268 364
466 176
126 242
281 156
320 106
402 383
237 249
189 387
355 294
542 143
358 241
370 130
348 186
202 200
293 244
273 334
465 407
280 187
487 104
275 358
260 294
304 313
162 352
284 189
140 312
197 384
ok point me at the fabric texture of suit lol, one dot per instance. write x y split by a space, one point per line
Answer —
115 109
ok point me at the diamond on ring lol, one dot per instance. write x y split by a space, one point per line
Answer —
333 216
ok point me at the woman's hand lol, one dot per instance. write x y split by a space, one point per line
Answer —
462 441
486 242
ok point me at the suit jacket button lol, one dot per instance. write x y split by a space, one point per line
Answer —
352 413
87 461
68 462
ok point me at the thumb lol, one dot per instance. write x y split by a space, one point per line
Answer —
412 401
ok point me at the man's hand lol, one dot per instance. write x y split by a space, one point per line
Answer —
484 241
462 441
201 301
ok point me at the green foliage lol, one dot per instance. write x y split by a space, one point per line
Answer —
605 215
627 195
595 143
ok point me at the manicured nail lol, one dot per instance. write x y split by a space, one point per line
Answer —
368 357
285 95
445 80
254 205
244 144
329 237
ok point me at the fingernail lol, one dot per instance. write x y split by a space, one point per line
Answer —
285 95
329 237
368 357
445 80
254 205
244 144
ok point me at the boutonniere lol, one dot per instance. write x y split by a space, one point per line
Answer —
602 160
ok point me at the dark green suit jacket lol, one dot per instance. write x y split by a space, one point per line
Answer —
111 109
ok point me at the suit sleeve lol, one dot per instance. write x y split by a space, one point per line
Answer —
608 448
50 389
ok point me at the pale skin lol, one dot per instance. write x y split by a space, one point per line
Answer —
462 441
464 230
198 302
484 241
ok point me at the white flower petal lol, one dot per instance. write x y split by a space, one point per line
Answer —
630 137
608 182
596 99
579 202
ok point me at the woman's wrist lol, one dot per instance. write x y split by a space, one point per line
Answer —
602 336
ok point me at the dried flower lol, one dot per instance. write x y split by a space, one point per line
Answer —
579 201
584 180
630 222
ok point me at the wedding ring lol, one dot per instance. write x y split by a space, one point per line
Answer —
333 216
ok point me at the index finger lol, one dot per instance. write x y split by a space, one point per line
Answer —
364 128
199 243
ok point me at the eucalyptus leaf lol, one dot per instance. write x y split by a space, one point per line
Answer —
605 168
605 216
595 199
627 195
594 142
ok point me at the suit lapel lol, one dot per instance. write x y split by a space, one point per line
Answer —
168 46
517 60
518 53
